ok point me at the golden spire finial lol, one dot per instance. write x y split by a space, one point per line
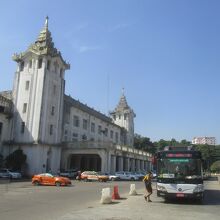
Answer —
123 91
46 22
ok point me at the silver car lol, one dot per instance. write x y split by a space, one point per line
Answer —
123 175
10 174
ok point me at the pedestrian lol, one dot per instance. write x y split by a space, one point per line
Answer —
79 175
148 186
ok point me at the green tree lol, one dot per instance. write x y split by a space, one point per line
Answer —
184 142
215 167
161 144
144 143
173 142
16 159
207 154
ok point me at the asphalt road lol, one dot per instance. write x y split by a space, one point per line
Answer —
22 201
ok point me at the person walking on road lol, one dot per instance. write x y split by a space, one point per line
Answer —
148 186
79 175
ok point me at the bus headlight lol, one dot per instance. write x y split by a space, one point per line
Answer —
161 188
198 188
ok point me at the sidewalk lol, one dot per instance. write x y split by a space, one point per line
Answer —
135 207
127 208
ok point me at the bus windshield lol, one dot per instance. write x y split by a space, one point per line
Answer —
179 168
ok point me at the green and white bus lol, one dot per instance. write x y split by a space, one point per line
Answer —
179 173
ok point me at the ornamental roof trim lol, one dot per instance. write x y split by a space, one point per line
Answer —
43 46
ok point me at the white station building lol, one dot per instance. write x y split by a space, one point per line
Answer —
56 131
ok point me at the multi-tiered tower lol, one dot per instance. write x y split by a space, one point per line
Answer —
124 116
38 95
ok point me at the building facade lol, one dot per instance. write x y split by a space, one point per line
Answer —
204 140
56 131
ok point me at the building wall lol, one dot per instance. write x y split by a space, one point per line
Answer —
40 158
109 131
5 121
5 125
125 119
204 140
22 95
41 121
45 91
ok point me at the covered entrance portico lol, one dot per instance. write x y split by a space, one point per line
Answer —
85 162
104 157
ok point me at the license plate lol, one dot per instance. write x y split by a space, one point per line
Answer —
180 195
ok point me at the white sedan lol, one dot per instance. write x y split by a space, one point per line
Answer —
126 175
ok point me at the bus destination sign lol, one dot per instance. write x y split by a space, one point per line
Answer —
178 155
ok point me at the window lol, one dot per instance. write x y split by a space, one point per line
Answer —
119 116
40 61
25 108
111 134
22 127
75 137
76 121
27 84
106 132
65 135
30 64
100 129
116 137
61 72
93 127
56 67
85 124
52 110
22 66
54 89
48 65
1 125
2 108
125 116
84 137
51 129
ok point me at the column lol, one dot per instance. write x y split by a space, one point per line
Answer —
132 164
120 163
138 165
128 164
113 164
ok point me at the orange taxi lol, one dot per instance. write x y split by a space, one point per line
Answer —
92 175
51 180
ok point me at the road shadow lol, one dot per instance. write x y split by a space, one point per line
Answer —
211 197
114 202
140 194
212 178
122 198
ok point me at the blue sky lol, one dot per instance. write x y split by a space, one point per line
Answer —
164 53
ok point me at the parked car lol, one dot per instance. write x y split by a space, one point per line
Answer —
140 175
126 175
154 173
7 173
113 177
92 175
71 173
49 179
4 174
